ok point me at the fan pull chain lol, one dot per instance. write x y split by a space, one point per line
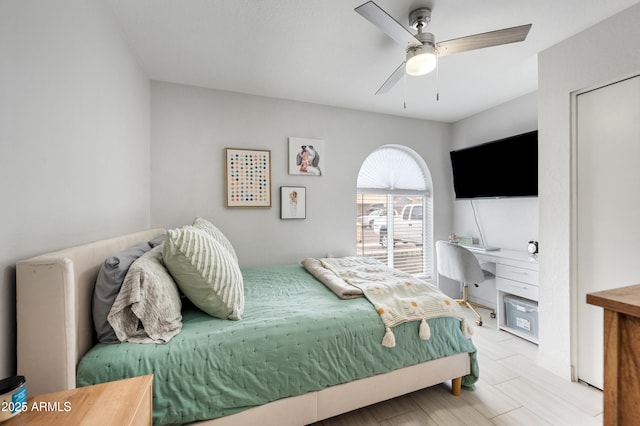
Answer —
437 78
404 91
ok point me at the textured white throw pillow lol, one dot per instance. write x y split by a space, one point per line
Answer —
205 271
215 233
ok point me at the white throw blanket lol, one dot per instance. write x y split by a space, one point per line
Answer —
148 307
397 296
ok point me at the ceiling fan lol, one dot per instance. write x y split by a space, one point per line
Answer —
422 49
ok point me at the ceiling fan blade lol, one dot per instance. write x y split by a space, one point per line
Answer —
392 80
480 41
385 22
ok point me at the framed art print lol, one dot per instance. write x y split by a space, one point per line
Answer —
306 157
248 177
293 202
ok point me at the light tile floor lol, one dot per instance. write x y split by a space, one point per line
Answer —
512 391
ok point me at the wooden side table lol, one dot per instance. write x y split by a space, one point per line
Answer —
123 402
621 353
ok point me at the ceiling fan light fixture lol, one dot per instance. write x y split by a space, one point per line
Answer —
422 54
421 60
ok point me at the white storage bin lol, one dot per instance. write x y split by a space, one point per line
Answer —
521 315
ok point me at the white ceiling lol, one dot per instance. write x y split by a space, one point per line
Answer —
321 51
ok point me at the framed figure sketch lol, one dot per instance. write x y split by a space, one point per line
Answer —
293 202
306 156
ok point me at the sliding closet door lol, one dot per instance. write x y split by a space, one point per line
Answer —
608 208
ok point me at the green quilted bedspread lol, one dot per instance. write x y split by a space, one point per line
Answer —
295 336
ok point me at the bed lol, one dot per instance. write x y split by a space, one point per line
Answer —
287 314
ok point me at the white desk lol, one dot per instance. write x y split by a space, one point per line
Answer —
517 274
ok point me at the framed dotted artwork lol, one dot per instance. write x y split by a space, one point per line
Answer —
248 177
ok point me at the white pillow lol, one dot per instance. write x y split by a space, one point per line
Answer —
215 233
205 271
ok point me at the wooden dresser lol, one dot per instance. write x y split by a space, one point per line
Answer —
621 353
119 403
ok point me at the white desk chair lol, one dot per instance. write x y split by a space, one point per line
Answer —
459 264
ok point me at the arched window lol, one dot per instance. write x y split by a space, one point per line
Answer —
395 210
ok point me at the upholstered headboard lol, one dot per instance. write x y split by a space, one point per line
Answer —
53 310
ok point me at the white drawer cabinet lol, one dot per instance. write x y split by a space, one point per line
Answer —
528 291
519 281
516 274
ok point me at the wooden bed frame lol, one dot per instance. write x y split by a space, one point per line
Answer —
55 329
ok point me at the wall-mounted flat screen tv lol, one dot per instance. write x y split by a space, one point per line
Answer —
502 168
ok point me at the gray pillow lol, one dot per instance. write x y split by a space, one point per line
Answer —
157 240
108 283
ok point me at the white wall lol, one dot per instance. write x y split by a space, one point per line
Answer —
604 53
74 135
509 222
192 126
